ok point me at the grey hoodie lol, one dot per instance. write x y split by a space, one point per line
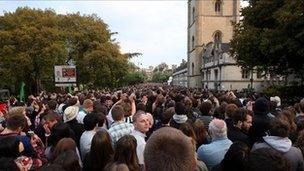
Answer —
280 144
180 118
284 146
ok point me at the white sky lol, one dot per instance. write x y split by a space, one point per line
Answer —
157 29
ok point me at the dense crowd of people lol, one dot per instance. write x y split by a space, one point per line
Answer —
151 128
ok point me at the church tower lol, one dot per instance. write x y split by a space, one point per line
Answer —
208 21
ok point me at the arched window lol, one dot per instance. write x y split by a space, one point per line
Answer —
217 38
192 42
192 68
193 14
217 6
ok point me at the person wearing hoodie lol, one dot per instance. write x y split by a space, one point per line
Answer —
279 141
180 115
260 121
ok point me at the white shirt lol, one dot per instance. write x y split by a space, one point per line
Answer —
80 116
141 144
85 142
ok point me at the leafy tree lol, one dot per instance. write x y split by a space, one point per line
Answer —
31 44
161 67
133 67
32 41
98 59
133 78
160 77
271 37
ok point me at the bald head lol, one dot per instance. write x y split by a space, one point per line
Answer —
169 149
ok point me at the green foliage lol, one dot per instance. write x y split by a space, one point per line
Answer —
288 94
271 37
133 78
160 77
161 68
33 41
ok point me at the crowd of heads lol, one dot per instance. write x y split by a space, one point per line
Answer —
151 127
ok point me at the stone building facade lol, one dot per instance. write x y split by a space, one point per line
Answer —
180 77
210 29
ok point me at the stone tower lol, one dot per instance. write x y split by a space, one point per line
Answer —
208 21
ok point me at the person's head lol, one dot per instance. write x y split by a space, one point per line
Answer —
141 106
180 108
277 100
11 147
100 108
167 115
100 118
170 103
59 131
51 119
160 100
261 106
218 129
72 101
289 117
52 104
90 121
68 160
242 119
118 113
88 105
127 107
141 121
125 152
219 112
187 129
63 145
16 123
169 149
236 157
17 111
108 101
230 110
116 167
70 113
279 127
200 132
101 149
267 159
206 108
188 103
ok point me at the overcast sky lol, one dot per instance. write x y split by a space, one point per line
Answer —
157 29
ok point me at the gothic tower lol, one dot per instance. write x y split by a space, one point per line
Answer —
208 21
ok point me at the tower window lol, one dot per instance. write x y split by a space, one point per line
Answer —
192 68
192 42
217 6
193 14
217 38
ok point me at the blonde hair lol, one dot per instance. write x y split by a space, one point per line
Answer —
16 111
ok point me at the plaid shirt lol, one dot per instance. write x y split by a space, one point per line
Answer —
120 129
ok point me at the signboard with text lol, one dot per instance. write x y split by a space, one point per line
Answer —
65 75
